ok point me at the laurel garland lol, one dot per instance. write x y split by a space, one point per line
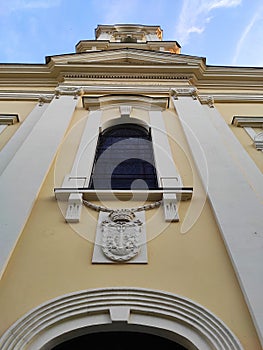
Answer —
110 210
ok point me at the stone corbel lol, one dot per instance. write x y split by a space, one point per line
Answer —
205 99
186 91
170 199
43 99
74 207
170 207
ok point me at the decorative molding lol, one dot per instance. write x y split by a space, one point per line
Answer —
184 91
74 207
125 76
68 90
120 308
207 99
139 101
25 96
258 141
250 121
44 99
125 111
238 97
170 207
121 235
8 119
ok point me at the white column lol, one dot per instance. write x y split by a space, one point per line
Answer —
235 188
22 179
21 134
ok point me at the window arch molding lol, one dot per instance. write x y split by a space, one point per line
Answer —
122 309
124 120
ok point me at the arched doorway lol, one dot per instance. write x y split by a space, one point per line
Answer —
152 313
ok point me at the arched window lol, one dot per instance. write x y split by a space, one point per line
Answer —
124 159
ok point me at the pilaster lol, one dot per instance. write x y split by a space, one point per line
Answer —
22 179
234 190
21 134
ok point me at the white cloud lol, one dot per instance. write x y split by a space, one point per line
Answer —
195 14
251 39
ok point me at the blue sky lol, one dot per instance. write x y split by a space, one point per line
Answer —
226 32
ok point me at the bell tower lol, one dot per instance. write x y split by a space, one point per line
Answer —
109 37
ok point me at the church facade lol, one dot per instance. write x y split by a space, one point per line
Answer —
131 198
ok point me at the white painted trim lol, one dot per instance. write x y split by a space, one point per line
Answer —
120 308
235 192
20 136
2 128
166 169
22 179
9 119
251 132
83 162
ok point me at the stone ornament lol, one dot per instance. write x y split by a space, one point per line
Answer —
121 235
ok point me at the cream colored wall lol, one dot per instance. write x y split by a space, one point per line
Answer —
53 258
22 108
228 111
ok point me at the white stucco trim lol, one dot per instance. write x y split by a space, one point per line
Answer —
235 193
23 177
119 308
83 162
168 175
21 134
2 128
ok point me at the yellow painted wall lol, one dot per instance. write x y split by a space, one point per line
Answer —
53 258
228 111
22 108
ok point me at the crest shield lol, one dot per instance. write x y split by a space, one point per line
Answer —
121 235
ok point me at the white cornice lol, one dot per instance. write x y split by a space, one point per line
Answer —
33 96
149 103
8 119
251 121
155 89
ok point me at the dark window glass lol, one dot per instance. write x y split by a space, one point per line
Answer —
124 159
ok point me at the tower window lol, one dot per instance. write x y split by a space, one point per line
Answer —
128 39
124 159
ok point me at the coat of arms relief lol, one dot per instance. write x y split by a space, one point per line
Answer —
121 235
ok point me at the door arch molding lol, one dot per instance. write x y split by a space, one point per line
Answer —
128 309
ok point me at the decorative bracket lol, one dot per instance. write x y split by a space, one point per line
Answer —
170 207
74 207
207 99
